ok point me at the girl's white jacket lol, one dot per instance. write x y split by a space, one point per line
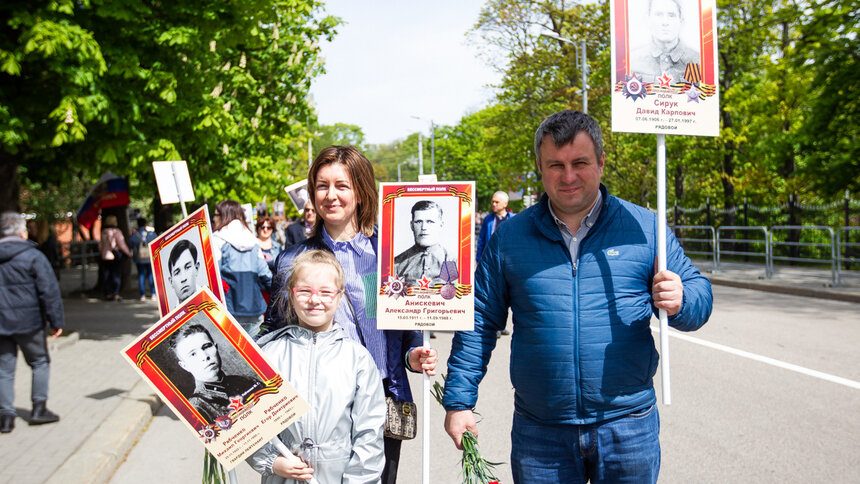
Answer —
340 382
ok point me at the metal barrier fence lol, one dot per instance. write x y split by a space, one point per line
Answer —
750 244
847 244
822 228
709 244
835 246
84 253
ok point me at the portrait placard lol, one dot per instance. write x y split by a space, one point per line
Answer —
182 261
250 213
664 67
173 181
426 259
298 193
215 380
278 209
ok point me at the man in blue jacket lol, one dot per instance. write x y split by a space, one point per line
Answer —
578 272
30 304
493 221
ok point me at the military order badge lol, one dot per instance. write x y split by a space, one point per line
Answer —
664 67
214 379
426 266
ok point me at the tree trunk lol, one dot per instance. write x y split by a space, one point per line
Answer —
9 190
679 182
162 215
679 191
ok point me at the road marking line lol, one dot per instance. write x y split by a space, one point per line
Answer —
764 359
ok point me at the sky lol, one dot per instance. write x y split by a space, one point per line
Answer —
392 60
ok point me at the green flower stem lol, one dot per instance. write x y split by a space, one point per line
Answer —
475 469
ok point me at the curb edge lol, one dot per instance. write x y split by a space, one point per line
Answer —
104 450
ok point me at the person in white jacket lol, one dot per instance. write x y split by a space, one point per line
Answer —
340 439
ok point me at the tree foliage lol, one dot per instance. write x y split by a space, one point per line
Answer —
88 86
340 134
788 95
827 48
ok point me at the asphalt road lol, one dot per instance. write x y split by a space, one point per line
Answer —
740 411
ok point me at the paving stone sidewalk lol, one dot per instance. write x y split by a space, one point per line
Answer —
89 383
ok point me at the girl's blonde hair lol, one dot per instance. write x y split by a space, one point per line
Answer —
282 300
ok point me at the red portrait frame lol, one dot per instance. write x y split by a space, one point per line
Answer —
248 416
198 227
426 305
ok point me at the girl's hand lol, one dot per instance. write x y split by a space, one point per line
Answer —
421 359
292 468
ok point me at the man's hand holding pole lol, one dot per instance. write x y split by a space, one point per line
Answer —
667 291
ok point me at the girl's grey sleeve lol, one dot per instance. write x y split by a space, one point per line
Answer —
368 415
263 460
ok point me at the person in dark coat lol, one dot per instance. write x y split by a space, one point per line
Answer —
298 231
30 303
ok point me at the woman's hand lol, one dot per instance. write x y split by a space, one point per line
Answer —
292 468
421 359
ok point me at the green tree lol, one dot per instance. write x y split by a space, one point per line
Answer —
464 152
96 85
827 47
387 156
340 134
787 99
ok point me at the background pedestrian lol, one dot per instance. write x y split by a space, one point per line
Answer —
140 240
112 247
243 268
30 303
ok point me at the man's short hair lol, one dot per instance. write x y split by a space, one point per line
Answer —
12 223
184 332
677 4
426 205
503 195
141 222
563 127
177 251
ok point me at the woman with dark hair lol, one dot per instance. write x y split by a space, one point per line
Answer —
343 191
243 268
112 247
270 247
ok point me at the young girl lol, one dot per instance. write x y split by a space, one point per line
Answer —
340 438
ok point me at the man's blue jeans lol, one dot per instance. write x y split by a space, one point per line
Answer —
35 350
626 449
144 275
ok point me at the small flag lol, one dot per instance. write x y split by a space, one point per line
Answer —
110 191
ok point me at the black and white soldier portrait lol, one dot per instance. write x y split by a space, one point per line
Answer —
206 368
665 40
431 228
183 269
